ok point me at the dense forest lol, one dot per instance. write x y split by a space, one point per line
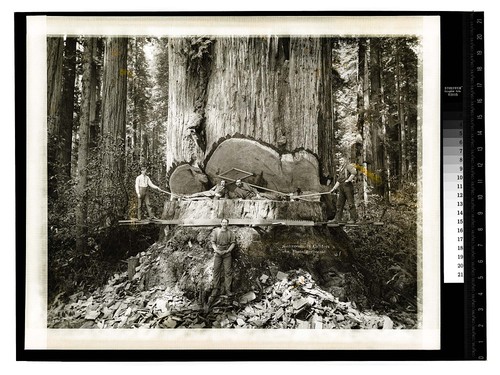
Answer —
116 103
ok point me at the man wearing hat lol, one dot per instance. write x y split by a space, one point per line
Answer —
142 185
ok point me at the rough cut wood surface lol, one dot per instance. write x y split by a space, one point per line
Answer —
230 208
186 179
284 173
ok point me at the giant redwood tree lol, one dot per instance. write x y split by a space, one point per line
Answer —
274 90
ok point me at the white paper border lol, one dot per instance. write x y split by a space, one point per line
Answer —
39 337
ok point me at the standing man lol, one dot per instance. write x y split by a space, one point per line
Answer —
142 183
223 242
346 174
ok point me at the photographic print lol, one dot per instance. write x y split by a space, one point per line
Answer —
233 183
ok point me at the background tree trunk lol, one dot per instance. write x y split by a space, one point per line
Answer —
55 49
362 123
385 160
376 111
86 115
67 106
401 118
114 104
95 93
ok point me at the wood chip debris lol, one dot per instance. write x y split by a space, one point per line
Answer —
289 300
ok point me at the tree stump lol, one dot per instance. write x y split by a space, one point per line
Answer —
244 209
185 261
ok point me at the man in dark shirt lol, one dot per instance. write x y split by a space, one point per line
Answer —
245 191
223 242
218 191
346 174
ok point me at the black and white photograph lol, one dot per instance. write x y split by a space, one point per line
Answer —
233 182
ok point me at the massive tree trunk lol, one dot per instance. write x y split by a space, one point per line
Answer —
114 104
86 115
67 107
274 90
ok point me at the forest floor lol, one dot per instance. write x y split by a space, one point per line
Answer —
384 258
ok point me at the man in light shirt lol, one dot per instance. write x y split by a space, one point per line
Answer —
345 176
142 185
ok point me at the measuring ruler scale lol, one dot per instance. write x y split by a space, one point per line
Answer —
453 197
463 190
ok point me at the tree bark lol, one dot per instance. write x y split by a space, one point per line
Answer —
67 107
275 90
114 103
55 48
362 124
376 111
95 93
401 118
86 115
385 160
